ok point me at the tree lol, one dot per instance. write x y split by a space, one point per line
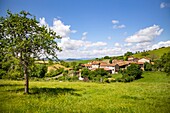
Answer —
165 60
106 57
85 72
128 54
147 66
22 37
133 70
110 61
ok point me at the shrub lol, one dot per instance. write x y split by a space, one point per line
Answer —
38 70
134 70
147 66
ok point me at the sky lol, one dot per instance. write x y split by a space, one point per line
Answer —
98 28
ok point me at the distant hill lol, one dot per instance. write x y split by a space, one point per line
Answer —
156 53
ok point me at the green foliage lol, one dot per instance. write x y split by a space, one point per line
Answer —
50 62
163 64
85 72
106 57
101 72
145 54
134 70
11 68
131 73
66 64
73 64
119 58
128 54
38 70
97 75
125 58
53 73
165 60
157 65
110 61
147 66
22 37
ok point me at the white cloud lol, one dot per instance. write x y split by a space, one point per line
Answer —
163 5
84 36
117 44
85 33
119 26
115 21
161 44
59 27
70 44
145 35
74 31
96 44
128 44
94 53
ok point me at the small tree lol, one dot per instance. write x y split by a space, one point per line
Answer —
128 54
147 66
106 57
22 37
165 60
133 70
110 61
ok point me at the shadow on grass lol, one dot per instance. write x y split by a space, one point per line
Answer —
3 85
48 91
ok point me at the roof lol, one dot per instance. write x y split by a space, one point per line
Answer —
140 63
107 69
145 58
87 65
124 63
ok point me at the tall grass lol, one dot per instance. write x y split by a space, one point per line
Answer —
150 94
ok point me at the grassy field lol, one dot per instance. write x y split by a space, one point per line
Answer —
158 53
150 94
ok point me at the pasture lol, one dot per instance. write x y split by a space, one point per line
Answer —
150 94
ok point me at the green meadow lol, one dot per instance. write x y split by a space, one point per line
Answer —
157 53
151 94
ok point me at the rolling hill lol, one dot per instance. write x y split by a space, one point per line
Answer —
157 53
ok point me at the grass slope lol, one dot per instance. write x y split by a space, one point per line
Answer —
148 95
158 52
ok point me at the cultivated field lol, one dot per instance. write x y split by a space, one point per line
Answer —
150 94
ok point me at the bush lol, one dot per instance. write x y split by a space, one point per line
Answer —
134 70
38 70
147 66
131 73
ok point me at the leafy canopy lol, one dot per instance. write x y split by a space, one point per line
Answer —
23 37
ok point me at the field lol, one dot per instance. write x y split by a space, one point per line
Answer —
150 94
158 53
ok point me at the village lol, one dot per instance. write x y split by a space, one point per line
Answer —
116 65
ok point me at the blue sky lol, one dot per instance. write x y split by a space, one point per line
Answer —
96 28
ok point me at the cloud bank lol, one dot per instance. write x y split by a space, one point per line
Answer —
82 48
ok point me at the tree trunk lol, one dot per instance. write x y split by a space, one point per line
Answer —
26 79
